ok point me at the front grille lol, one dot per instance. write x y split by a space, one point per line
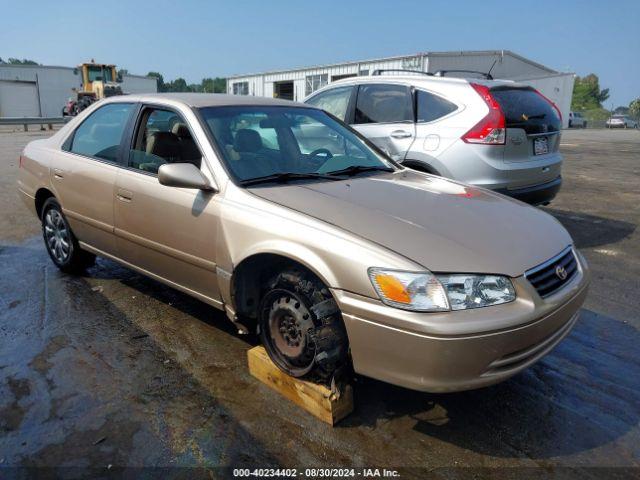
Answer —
548 277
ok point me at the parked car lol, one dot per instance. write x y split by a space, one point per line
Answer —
576 120
494 134
337 256
621 121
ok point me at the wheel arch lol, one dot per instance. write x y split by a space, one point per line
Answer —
251 274
42 195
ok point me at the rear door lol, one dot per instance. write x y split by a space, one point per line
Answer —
384 114
85 173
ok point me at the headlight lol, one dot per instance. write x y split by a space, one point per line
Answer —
473 291
419 291
426 292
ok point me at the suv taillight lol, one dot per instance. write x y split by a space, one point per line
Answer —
552 104
491 129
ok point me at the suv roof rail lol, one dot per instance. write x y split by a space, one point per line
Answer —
380 71
443 73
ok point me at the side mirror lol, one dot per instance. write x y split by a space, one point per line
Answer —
183 175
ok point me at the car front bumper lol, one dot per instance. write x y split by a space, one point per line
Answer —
462 350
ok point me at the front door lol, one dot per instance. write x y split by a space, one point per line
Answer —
384 114
168 232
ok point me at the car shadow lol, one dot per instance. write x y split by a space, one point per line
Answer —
109 270
584 395
590 230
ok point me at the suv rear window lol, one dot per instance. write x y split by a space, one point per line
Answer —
526 109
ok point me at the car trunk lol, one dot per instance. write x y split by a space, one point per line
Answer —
532 122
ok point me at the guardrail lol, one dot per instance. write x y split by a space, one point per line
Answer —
26 121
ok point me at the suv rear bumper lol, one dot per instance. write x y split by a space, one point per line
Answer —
536 194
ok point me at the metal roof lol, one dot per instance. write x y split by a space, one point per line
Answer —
460 53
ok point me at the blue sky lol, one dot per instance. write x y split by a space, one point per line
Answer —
196 39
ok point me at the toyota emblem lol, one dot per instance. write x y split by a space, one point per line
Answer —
561 273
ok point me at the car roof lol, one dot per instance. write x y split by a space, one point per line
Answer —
199 100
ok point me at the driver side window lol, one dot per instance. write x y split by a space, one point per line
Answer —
162 137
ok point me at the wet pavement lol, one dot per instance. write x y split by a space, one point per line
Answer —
111 369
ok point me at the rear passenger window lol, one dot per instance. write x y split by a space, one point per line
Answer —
335 101
100 134
431 107
383 104
162 137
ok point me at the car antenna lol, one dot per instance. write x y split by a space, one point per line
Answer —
492 65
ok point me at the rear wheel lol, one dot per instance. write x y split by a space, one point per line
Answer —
301 327
60 241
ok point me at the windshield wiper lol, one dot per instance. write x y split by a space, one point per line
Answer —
355 169
283 177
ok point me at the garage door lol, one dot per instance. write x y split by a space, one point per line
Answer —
18 99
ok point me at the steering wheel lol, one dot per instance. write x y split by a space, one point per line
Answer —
318 151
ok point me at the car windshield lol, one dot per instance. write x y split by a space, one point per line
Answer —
264 141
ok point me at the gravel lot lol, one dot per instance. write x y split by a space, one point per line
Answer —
114 370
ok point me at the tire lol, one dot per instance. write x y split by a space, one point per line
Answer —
60 242
301 327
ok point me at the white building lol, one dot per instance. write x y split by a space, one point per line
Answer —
42 91
298 83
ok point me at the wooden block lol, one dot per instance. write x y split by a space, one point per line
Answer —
315 399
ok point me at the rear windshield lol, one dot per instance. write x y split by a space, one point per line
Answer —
526 109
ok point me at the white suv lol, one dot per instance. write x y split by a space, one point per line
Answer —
495 134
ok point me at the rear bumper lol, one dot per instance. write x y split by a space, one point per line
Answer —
536 194
467 349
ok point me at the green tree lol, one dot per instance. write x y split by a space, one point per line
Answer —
220 85
634 108
159 81
24 61
587 94
178 85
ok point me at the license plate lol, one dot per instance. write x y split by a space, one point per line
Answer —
541 146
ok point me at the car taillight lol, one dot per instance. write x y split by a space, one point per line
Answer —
552 104
491 129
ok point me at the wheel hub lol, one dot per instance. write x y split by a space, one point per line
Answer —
57 236
289 322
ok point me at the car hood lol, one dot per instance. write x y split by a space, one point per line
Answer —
440 224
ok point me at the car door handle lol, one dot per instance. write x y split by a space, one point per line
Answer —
57 173
124 195
400 134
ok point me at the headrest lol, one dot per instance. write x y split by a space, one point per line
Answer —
181 130
247 141
165 145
